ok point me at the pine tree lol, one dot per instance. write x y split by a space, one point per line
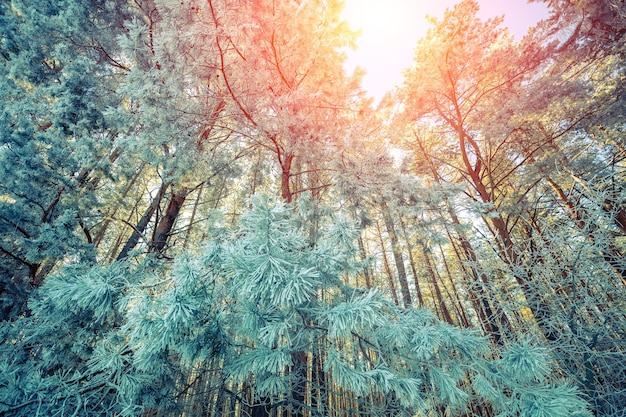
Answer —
132 340
512 123
56 74
138 279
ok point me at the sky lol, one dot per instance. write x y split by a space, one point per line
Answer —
390 30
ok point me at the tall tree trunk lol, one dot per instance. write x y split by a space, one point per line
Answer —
397 256
459 305
166 223
523 274
493 323
392 285
478 285
285 177
440 303
143 222
366 267
409 247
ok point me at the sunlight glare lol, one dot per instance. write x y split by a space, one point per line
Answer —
376 20
390 30
388 33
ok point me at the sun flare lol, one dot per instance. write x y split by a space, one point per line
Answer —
390 30
375 20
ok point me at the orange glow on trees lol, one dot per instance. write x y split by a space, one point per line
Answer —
390 29
280 68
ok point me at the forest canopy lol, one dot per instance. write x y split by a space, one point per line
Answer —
203 214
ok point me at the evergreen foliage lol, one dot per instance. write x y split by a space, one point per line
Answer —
55 138
120 339
457 251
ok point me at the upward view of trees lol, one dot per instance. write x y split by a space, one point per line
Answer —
203 214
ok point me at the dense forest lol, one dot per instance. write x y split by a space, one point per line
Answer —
202 213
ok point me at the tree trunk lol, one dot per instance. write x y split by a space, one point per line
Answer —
418 290
392 285
459 305
298 387
366 268
478 285
143 223
285 177
397 256
166 223
493 324
440 303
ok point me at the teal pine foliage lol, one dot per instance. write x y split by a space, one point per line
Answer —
126 339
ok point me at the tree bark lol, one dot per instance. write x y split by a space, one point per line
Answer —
493 323
418 289
433 279
166 223
285 177
143 222
366 268
298 387
397 256
392 285
459 305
